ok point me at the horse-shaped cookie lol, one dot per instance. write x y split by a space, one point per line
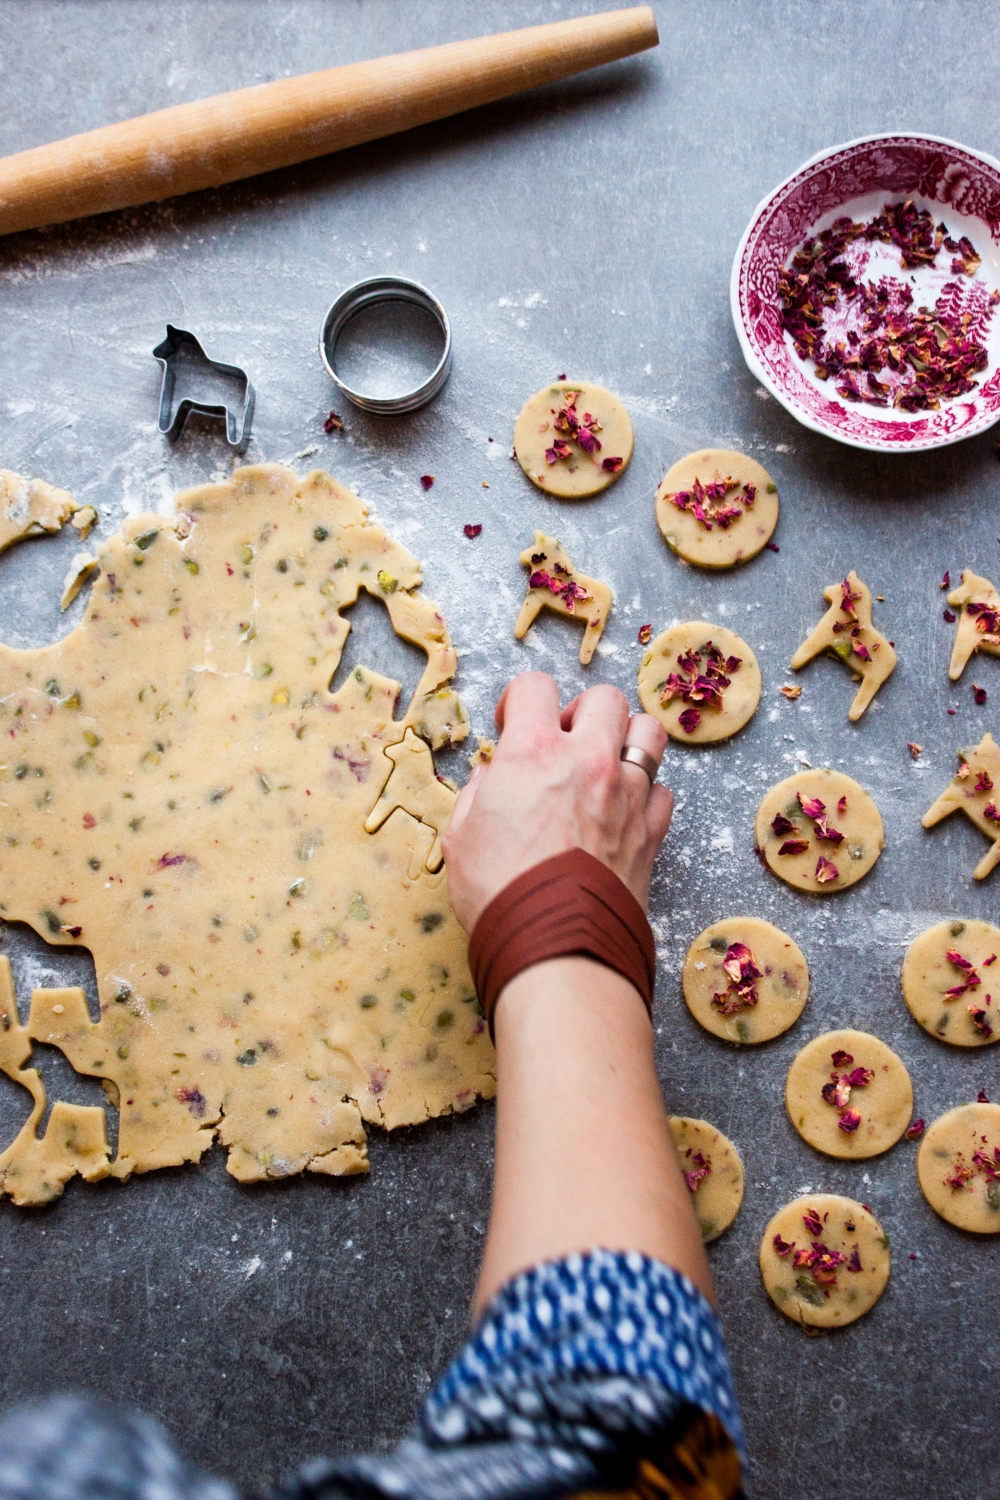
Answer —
847 630
554 583
978 628
974 790
414 786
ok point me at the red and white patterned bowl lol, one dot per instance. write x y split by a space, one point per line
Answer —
956 184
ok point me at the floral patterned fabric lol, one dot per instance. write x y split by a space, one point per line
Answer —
600 1373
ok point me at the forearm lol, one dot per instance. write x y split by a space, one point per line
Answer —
584 1153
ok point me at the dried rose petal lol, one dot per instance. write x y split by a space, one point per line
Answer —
783 1247
854 1260
860 1078
612 465
960 1175
946 580
826 870
702 1167
333 423
689 720
982 1097
791 691
984 783
645 634
979 1020
849 1121
860 649
990 811
811 806
427 480
841 1059
780 825
472 531
914 1130
812 1221
915 750
794 846
837 1092
842 805
979 693
948 617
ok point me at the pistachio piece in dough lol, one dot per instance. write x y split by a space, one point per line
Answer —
978 627
958 1167
951 982
819 831
713 1172
974 790
716 508
553 583
846 630
701 681
848 1094
824 1260
745 980
573 439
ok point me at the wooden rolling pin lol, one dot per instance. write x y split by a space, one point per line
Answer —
230 136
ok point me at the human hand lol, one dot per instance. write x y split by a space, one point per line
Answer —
557 782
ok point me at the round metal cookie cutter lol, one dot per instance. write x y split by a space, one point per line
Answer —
356 299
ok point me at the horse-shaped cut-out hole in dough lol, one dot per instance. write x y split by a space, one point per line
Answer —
974 790
554 583
847 631
978 627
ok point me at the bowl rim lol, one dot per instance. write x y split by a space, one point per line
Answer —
753 364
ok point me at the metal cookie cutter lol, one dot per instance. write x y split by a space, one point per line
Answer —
179 342
355 300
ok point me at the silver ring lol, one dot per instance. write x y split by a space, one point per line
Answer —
347 306
636 756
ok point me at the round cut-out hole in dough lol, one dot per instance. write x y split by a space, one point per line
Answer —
824 1260
848 1094
819 831
713 1172
951 982
701 681
717 508
958 1167
725 996
573 439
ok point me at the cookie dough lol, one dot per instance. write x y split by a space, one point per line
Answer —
713 1172
819 831
848 1094
974 790
745 980
182 794
978 627
701 681
30 507
716 508
958 1167
846 630
553 583
824 1260
951 982
573 439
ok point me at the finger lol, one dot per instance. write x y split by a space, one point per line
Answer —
526 699
659 812
464 800
648 733
600 715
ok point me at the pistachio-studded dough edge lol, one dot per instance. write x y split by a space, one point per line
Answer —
860 823
782 989
581 473
884 1105
972 1017
963 1190
717 1196
739 699
721 546
845 1225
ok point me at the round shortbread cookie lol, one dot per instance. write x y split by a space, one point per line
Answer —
811 862
573 439
848 1094
716 508
843 1260
723 1000
713 1172
957 998
958 1167
700 658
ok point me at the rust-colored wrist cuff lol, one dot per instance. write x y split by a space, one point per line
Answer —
571 904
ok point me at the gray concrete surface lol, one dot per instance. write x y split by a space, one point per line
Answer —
588 227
